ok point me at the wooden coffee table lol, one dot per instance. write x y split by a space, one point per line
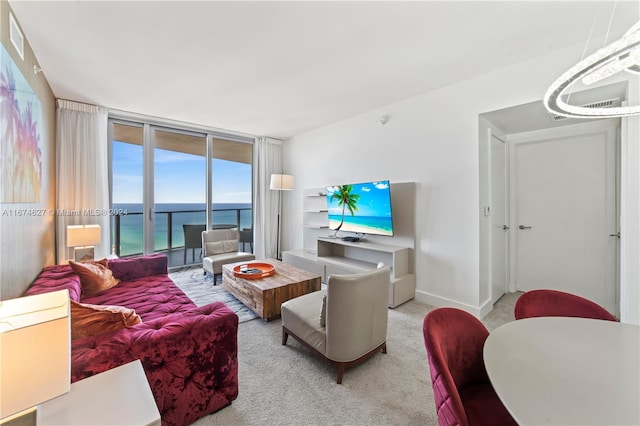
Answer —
265 295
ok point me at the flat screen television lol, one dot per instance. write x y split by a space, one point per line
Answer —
362 208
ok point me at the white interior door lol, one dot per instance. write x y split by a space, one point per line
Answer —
564 189
499 218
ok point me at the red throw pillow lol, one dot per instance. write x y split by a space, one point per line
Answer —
94 276
90 320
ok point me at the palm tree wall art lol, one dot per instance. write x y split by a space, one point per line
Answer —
20 153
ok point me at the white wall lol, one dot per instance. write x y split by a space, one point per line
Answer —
431 139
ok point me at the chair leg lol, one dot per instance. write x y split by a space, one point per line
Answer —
340 372
285 336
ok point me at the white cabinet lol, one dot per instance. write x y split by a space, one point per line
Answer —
335 256
341 257
120 396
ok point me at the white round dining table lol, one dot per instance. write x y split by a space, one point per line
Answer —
566 371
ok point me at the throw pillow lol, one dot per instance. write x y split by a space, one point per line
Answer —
90 320
323 312
230 245
214 248
94 277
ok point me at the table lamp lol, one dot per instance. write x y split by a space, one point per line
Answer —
35 346
83 238
280 182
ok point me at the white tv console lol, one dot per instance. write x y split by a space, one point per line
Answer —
335 256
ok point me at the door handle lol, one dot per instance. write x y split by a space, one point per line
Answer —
615 235
505 228
524 227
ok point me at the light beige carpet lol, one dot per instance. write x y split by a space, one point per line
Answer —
200 289
286 385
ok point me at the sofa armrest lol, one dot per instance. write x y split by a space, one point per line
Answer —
188 358
131 268
58 277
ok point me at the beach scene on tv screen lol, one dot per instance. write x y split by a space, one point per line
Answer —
361 208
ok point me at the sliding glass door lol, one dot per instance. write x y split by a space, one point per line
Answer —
127 171
231 166
168 192
179 170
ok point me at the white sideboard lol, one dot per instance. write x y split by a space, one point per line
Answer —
335 256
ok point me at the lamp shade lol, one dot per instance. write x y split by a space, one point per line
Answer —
83 235
281 182
35 350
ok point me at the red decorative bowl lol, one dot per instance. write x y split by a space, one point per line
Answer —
254 270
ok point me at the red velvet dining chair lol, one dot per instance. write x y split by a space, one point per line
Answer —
554 303
463 394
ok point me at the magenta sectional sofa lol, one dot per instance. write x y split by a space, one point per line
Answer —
189 354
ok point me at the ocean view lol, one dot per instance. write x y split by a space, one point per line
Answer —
131 222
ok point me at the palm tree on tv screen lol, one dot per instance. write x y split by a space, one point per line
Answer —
346 199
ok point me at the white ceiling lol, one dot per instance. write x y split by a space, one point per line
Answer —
281 68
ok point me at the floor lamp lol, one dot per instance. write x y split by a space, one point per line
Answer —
280 182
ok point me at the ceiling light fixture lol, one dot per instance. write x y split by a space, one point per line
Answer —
621 55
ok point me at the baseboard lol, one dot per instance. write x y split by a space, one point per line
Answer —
441 302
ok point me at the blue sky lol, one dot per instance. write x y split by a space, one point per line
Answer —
179 177
374 199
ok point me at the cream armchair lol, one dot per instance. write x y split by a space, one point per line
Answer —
219 247
352 328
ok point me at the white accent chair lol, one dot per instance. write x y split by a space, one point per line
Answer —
219 247
356 317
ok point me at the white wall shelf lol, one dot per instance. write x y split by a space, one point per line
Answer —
315 217
316 226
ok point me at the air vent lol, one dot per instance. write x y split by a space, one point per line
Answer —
609 103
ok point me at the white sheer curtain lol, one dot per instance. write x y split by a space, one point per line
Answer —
82 181
267 160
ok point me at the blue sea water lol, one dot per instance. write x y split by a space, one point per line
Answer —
374 225
131 223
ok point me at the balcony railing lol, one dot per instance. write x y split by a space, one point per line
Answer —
127 237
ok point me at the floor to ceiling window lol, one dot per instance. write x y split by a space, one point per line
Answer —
180 172
231 166
159 186
127 171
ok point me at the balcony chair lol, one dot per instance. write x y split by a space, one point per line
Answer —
344 325
192 240
246 237
219 247
463 394
554 303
